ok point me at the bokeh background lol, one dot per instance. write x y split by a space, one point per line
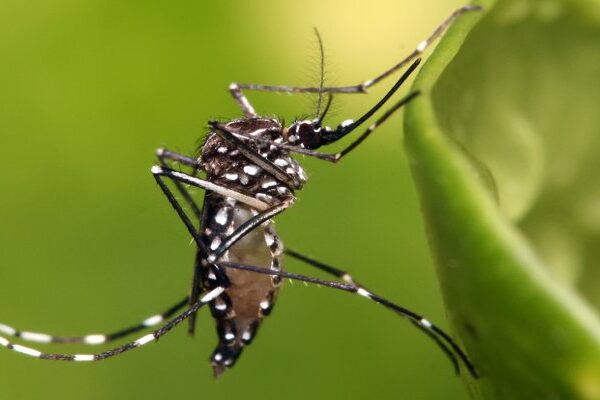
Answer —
88 244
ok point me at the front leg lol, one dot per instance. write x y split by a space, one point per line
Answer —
182 177
161 172
236 89
163 155
242 100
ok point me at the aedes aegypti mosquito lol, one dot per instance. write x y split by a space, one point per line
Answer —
250 178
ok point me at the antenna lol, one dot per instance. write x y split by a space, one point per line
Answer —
322 72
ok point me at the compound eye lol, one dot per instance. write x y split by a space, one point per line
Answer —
309 136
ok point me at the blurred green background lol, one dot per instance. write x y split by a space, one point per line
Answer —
89 244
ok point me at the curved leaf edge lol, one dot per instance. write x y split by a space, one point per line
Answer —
493 260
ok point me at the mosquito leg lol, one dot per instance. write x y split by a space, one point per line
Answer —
341 274
164 155
417 319
159 172
444 347
363 86
93 339
196 290
240 98
422 46
151 337
177 178
338 156
346 277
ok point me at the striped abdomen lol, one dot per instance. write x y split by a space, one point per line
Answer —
240 309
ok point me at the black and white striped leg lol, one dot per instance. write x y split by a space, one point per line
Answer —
196 289
164 155
346 277
151 337
242 100
363 86
220 248
158 173
182 177
96 338
417 319
442 345
267 212
341 274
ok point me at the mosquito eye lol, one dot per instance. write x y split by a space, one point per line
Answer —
309 137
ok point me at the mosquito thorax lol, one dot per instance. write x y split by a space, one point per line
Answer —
226 165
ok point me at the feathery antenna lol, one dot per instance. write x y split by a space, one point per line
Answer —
322 72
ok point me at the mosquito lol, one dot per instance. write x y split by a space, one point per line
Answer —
249 178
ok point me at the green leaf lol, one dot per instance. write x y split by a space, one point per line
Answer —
503 145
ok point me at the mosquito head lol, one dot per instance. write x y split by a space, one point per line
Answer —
305 133
309 134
